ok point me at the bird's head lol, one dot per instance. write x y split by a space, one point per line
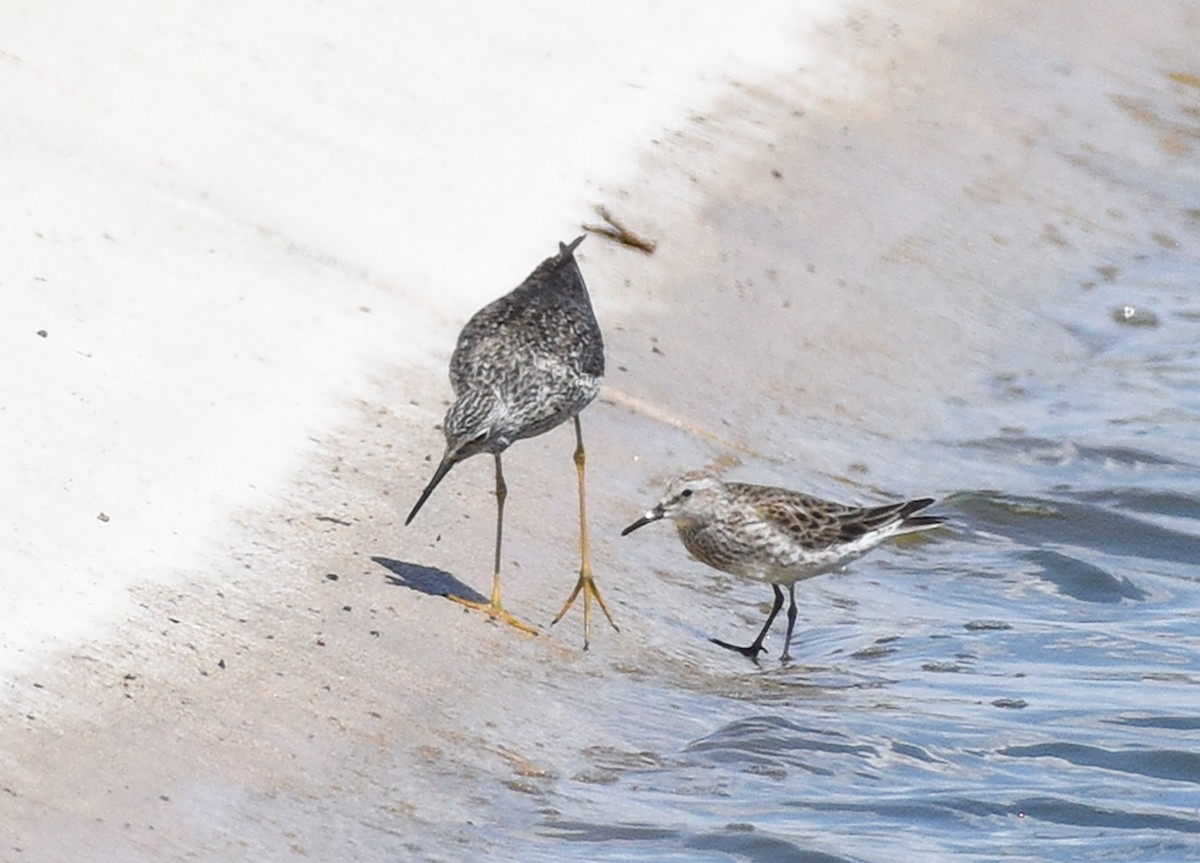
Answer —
473 425
687 497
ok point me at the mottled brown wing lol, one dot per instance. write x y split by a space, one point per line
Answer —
811 522
815 523
875 518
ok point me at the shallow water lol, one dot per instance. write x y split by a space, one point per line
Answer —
1026 688
1023 686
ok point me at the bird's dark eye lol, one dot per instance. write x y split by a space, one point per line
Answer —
687 492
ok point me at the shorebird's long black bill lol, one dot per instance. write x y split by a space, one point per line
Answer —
438 475
653 515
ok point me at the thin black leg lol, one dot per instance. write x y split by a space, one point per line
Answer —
791 622
753 650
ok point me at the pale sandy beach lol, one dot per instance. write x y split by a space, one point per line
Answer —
238 247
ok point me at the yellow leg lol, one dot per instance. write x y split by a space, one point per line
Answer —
587 582
494 609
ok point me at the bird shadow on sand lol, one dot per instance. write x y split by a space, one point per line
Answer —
427 579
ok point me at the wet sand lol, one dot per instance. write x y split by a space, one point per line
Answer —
841 269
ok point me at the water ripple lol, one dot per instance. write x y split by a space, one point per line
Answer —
1058 810
1045 522
742 844
1081 580
1178 723
768 740
1175 765
1051 809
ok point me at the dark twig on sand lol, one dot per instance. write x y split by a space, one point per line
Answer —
614 230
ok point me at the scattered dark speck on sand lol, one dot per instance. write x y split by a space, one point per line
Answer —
331 576
942 667
984 625
1132 316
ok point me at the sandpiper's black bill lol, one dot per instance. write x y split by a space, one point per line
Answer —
442 469
653 515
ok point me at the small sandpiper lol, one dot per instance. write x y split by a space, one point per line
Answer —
775 535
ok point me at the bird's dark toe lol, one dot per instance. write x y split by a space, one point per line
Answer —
750 651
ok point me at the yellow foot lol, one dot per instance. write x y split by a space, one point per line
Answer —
495 611
586 584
